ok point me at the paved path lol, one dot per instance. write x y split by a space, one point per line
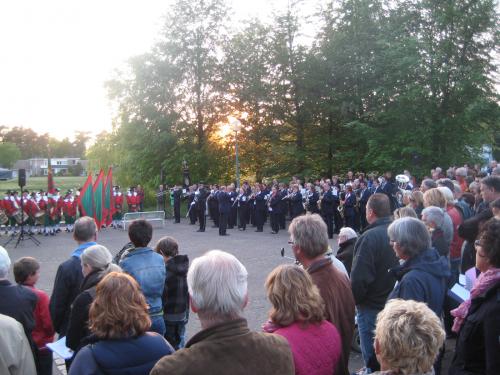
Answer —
259 252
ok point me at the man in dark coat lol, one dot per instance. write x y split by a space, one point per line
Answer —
370 281
225 345
329 204
309 238
177 203
365 193
201 196
224 200
69 275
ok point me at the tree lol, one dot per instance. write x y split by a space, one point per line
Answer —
9 154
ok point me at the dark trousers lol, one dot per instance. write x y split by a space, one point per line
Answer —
328 218
222 223
350 222
232 217
259 219
362 217
201 218
282 220
177 212
242 214
339 222
192 215
44 362
275 225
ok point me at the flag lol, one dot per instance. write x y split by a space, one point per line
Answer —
109 204
50 179
86 199
98 194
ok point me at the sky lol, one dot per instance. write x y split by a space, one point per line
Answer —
55 56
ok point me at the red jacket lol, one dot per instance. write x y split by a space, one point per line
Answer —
69 207
43 332
457 241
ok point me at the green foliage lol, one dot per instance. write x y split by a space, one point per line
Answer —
384 85
9 154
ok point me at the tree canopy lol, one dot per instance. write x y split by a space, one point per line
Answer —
383 85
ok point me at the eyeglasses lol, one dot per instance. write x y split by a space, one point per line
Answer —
290 242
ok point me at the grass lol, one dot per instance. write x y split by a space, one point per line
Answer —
37 183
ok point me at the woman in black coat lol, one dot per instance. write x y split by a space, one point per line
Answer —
96 263
478 319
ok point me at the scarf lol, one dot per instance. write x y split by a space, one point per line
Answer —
484 282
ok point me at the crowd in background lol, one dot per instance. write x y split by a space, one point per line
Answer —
392 277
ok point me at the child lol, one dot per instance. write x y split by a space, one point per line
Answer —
175 294
27 273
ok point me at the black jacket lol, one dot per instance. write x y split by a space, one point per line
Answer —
478 347
18 302
175 294
373 257
78 327
346 253
67 284
329 203
224 200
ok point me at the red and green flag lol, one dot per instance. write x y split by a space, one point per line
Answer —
109 204
98 193
86 199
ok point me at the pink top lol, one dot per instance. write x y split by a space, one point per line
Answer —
315 348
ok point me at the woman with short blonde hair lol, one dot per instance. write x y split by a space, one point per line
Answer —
298 315
119 321
408 337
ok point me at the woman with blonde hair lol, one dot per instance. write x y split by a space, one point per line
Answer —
408 337
416 201
119 321
297 314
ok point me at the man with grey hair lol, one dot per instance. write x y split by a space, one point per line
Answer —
370 281
16 301
309 240
427 184
433 218
217 284
69 275
423 274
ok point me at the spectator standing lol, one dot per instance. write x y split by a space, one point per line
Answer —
298 315
433 218
160 198
148 269
217 284
119 321
69 275
408 338
96 263
346 240
175 294
371 283
309 240
16 301
27 273
16 357
477 320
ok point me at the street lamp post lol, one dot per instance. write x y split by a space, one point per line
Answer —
236 125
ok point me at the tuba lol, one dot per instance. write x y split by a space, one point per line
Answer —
402 181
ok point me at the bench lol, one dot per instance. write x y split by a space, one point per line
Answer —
155 217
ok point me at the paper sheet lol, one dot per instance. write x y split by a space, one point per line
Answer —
460 292
59 347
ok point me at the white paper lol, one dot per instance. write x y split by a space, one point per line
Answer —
462 279
59 347
460 292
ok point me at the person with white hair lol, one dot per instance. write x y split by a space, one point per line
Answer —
217 284
346 240
16 301
433 218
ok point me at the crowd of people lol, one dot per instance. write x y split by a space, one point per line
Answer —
392 278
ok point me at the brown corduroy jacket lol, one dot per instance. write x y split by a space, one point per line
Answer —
335 289
229 349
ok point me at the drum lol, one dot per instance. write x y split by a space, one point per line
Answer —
3 217
40 217
18 216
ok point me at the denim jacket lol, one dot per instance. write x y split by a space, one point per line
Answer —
148 269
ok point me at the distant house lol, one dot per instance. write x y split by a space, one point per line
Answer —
40 166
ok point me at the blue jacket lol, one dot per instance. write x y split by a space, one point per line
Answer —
224 200
148 269
423 279
132 356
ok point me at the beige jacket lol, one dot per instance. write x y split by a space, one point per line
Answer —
16 357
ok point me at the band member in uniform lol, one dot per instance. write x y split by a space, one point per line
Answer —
365 193
177 193
312 198
192 204
69 210
224 199
233 213
283 192
132 200
275 209
260 208
242 202
118 215
213 205
349 203
201 196
161 194
297 208
329 204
